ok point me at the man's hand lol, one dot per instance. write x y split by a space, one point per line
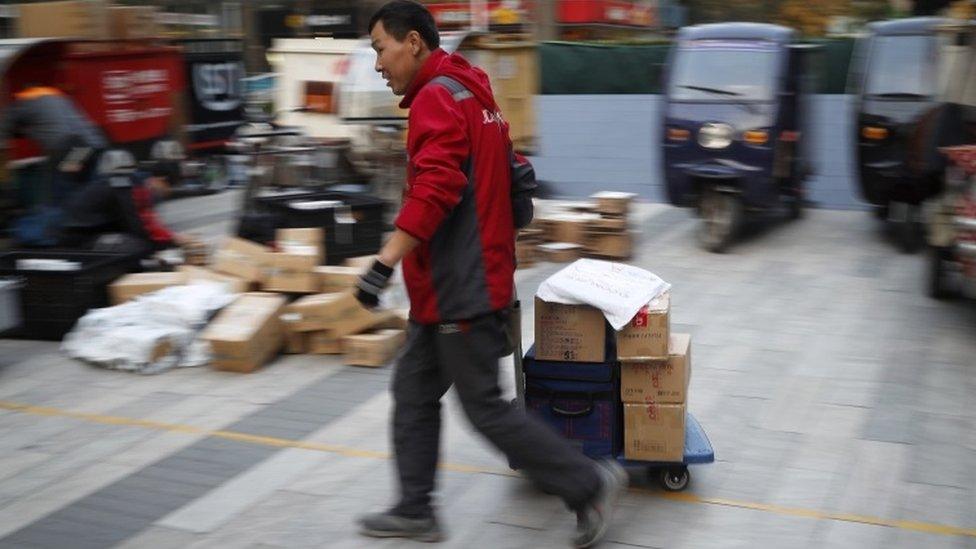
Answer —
372 284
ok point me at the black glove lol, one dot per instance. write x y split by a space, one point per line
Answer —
372 284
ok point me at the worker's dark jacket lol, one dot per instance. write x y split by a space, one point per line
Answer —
103 206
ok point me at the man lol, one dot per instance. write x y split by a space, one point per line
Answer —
115 212
456 237
70 143
48 117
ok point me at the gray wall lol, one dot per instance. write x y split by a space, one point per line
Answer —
593 142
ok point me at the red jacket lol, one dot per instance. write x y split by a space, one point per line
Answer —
457 197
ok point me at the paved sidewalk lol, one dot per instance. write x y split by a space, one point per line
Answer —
837 397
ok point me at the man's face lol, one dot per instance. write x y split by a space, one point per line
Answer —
397 61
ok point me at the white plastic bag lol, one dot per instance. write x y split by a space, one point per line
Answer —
150 334
617 289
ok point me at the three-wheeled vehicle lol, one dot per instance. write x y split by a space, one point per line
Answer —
895 78
130 89
733 124
945 144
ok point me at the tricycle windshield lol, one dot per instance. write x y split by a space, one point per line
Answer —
725 70
902 66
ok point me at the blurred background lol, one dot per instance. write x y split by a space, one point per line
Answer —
802 172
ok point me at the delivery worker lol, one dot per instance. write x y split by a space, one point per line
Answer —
115 212
455 236
70 143
50 118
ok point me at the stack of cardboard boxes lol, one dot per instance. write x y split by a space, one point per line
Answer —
599 229
325 319
654 370
609 237
91 19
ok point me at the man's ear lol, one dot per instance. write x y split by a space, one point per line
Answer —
416 42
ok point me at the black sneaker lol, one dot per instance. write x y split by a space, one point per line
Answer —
389 525
593 520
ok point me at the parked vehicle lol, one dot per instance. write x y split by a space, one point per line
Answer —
129 89
945 144
895 78
734 114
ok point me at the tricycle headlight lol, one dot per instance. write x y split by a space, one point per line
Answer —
715 135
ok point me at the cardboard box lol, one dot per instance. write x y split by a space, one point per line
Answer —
72 19
399 320
243 259
196 274
339 313
288 272
530 235
135 284
570 227
309 241
373 349
132 22
296 343
654 432
323 343
612 202
560 252
647 335
362 262
337 278
247 333
571 333
608 223
526 254
659 381
610 245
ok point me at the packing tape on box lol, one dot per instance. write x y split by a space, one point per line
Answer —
291 317
299 248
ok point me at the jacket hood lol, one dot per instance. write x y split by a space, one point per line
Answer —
441 63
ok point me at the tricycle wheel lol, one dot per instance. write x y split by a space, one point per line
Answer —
907 229
675 479
940 285
721 216
796 206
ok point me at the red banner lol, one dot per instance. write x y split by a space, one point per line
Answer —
607 12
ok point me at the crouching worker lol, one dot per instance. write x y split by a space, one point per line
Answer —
115 212
455 235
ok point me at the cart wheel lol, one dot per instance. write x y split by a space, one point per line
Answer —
721 216
675 479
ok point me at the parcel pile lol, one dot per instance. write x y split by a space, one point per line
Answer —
613 381
598 229
287 301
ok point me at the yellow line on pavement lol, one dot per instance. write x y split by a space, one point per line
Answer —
684 497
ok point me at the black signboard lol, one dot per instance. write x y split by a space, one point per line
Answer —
216 94
337 22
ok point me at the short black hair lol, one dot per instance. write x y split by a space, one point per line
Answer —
399 17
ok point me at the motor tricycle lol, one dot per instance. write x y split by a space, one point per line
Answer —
734 115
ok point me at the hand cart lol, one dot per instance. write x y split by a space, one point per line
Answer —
673 476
